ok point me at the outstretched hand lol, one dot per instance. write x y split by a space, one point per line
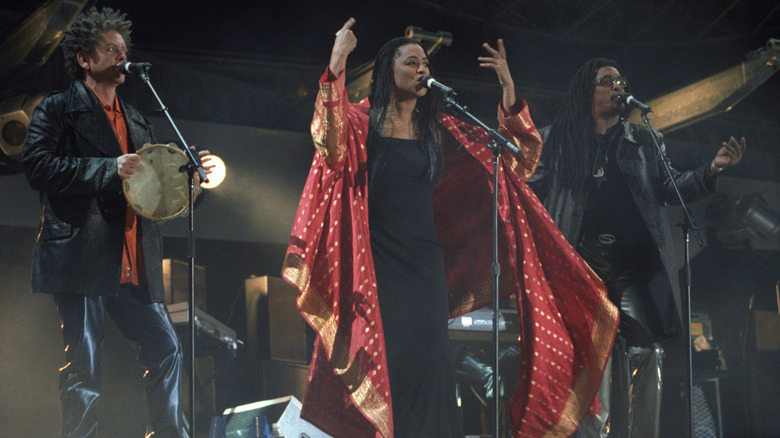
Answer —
729 154
497 62
344 45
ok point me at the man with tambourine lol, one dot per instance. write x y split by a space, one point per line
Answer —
92 252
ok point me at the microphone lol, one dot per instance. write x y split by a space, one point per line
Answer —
134 67
430 83
628 99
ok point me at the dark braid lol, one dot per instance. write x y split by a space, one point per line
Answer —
571 133
85 32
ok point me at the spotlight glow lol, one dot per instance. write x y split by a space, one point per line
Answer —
217 174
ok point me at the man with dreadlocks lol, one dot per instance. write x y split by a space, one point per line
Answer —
606 189
91 252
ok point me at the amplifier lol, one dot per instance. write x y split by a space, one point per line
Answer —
176 282
767 330
275 329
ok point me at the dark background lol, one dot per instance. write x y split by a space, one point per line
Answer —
240 77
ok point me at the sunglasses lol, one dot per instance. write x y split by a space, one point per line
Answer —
607 81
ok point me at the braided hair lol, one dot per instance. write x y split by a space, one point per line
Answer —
85 33
571 134
423 117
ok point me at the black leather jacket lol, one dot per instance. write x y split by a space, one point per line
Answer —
70 158
651 190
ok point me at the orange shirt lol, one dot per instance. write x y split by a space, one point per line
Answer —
132 256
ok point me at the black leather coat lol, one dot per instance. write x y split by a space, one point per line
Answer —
70 158
651 190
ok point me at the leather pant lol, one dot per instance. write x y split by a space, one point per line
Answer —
636 390
149 326
630 390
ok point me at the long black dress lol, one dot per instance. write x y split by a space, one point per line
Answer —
412 291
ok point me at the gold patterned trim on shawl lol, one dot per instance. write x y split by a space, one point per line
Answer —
531 146
364 395
328 126
602 337
330 90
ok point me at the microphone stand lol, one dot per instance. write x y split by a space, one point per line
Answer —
193 165
499 142
688 225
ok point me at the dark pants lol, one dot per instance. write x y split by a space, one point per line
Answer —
630 391
149 326
636 390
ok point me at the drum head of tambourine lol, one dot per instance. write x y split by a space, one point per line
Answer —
158 190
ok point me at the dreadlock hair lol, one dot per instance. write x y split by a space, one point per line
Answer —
571 133
423 117
85 33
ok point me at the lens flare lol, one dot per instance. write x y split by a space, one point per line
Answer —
218 171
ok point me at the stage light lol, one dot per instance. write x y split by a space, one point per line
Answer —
738 219
436 39
217 174
13 128
754 213
15 115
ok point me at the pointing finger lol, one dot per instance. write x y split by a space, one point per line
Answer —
346 25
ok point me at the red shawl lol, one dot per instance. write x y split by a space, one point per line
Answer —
567 323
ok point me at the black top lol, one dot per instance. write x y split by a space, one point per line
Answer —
611 212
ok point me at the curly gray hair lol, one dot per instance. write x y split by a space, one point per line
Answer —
85 33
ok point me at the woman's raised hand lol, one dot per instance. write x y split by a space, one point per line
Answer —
497 62
345 43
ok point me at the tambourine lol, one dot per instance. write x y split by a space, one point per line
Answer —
158 189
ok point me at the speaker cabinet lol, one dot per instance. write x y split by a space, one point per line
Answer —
762 373
705 399
767 330
283 378
275 330
176 281
205 389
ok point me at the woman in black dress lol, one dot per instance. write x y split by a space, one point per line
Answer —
405 161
